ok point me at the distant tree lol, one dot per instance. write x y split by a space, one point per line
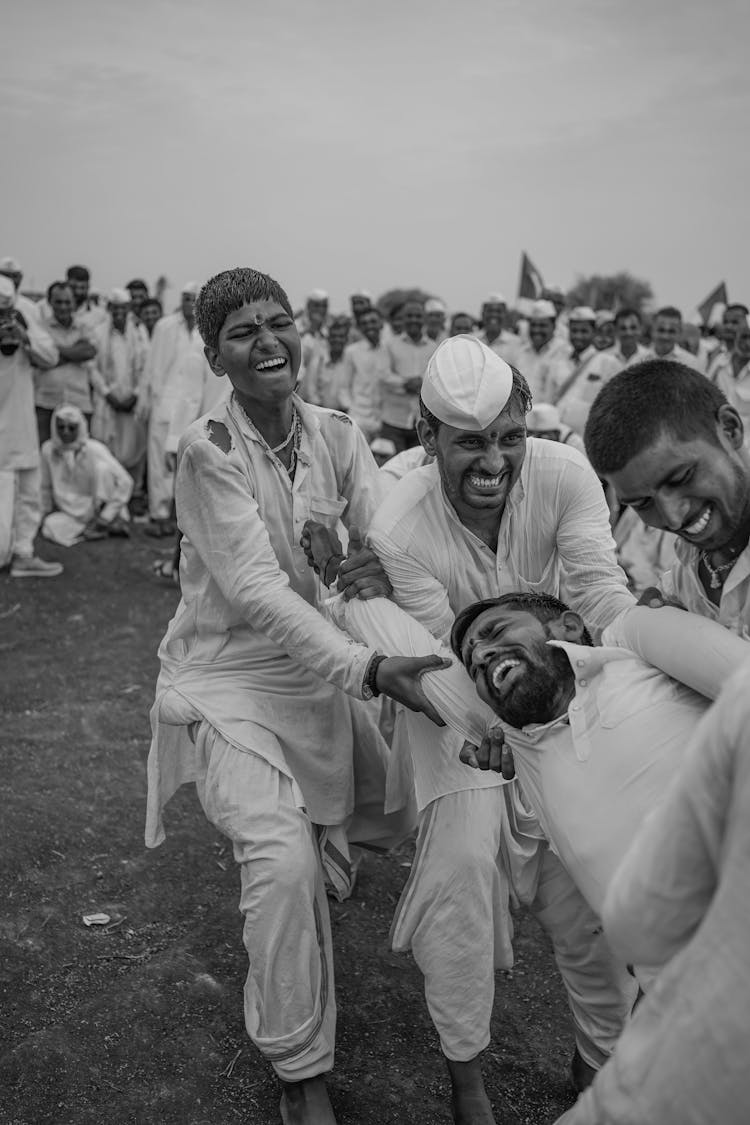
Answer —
394 297
611 292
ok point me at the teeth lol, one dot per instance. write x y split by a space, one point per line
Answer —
504 666
484 482
278 361
701 523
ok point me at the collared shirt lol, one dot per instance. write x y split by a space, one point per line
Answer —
19 439
163 374
361 393
623 362
536 366
407 360
682 584
593 775
68 382
577 380
248 648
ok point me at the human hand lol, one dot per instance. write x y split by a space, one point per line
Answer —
323 550
400 678
361 574
493 754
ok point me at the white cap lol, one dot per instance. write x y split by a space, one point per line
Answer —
10 265
434 304
119 297
317 295
543 416
494 299
466 385
582 312
7 293
543 310
191 287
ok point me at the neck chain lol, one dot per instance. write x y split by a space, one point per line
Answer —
716 572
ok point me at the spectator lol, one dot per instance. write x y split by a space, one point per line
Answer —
22 348
85 491
71 380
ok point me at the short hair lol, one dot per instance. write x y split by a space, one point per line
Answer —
56 285
545 607
669 312
622 314
519 394
77 273
230 290
636 407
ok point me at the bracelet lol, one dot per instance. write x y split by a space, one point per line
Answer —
370 682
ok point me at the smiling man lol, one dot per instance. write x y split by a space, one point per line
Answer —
673 448
492 512
259 699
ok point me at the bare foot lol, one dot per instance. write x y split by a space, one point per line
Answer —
306 1103
469 1100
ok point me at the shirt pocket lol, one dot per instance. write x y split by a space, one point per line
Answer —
327 511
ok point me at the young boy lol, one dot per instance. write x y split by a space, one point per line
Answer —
258 699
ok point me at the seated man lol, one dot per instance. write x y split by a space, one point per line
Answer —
85 490
681 899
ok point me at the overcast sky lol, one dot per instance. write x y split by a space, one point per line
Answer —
348 143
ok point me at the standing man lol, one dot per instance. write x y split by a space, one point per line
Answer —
628 348
492 513
24 348
366 365
578 376
73 376
494 333
407 357
534 356
160 392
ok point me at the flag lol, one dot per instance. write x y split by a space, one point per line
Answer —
530 283
717 296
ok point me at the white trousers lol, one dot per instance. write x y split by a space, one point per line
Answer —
20 512
160 480
290 1011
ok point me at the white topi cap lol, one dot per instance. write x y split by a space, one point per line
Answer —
466 385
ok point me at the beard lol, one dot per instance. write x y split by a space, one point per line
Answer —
533 699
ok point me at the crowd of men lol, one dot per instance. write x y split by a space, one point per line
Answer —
410 552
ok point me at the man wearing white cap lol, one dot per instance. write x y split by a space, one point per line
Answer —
122 348
24 348
578 376
535 355
493 333
493 513
175 337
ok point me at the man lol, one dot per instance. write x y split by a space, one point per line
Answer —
491 513
85 490
628 329
150 313
666 330
259 697
11 268
138 291
434 320
159 394
680 902
122 347
321 383
366 365
673 448
535 355
494 333
73 376
407 357
578 376
24 348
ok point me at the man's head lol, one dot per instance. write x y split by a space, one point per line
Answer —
413 320
78 278
581 328
628 329
317 309
118 307
434 318
246 322
338 336
11 268
666 330
138 291
359 303
370 325
62 302
541 324
503 644
149 313
672 447
473 422
462 324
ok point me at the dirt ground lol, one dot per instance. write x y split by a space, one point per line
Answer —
140 1021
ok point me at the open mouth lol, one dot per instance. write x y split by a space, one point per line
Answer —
698 526
273 364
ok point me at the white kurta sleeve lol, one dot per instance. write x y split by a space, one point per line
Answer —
219 514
